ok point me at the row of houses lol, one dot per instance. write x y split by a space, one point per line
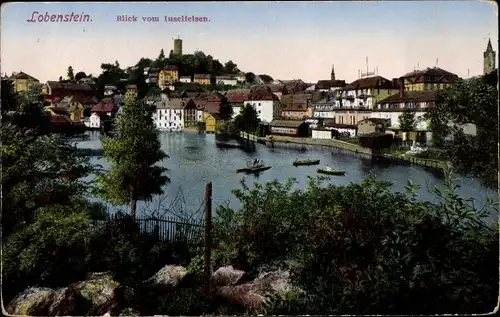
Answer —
170 74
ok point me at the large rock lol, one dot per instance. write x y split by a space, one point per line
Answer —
69 302
168 276
227 276
34 301
252 295
92 297
102 293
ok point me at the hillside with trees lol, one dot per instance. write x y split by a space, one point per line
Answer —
188 65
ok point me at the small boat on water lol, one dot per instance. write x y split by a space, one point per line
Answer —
305 162
250 170
330 172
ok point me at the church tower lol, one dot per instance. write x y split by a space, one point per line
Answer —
489 59
332 74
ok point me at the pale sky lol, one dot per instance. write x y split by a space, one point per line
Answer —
286 40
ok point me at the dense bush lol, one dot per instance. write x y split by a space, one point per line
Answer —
363 249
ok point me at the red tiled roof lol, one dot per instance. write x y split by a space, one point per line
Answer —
57 119
201 76
236 97
371 82
103 107
298 102
327 84
435 71
22 75
171 68
276 87
261 95
411 96
55 85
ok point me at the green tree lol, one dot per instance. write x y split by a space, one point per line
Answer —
133 152
70 74
247 120
225 109
266 78
407 120
80 75
162 55
231 68
250 78
472 102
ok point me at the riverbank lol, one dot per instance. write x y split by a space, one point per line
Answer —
432 163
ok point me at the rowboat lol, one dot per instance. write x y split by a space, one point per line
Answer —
250 170
330 172
305 162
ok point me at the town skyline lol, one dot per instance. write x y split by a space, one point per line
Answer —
403 38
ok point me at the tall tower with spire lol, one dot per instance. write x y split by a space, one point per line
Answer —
489 59
332 74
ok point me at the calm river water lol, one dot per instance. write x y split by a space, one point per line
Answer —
194 160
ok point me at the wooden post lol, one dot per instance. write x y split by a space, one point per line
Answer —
208 237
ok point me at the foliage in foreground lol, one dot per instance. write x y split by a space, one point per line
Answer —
133 151
363 249
474 102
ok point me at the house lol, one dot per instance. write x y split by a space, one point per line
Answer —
167 76
294 128
340 129
329 85
207 103
54 91
322 133
393 106
131 92
296 107
201 79
76 105
86 80
185 79
60 124
265 103
237 99
295 86
23 82
152 78
226 80
175 114
57 111
213 123
428 79
372 125
100 112
278 89
241 77
110 90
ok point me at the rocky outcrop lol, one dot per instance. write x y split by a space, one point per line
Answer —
91 297
226 276
169 276
252 295
34 301
129 312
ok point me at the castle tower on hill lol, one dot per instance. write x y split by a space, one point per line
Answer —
489 59
177 47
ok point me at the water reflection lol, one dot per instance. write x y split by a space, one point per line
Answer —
194 160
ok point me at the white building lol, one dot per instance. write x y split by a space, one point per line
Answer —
241 78
109 90
363 92
325 110
185 79
97 112
266 104
175 114
226 80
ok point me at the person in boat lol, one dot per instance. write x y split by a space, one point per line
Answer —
328 168
256 162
